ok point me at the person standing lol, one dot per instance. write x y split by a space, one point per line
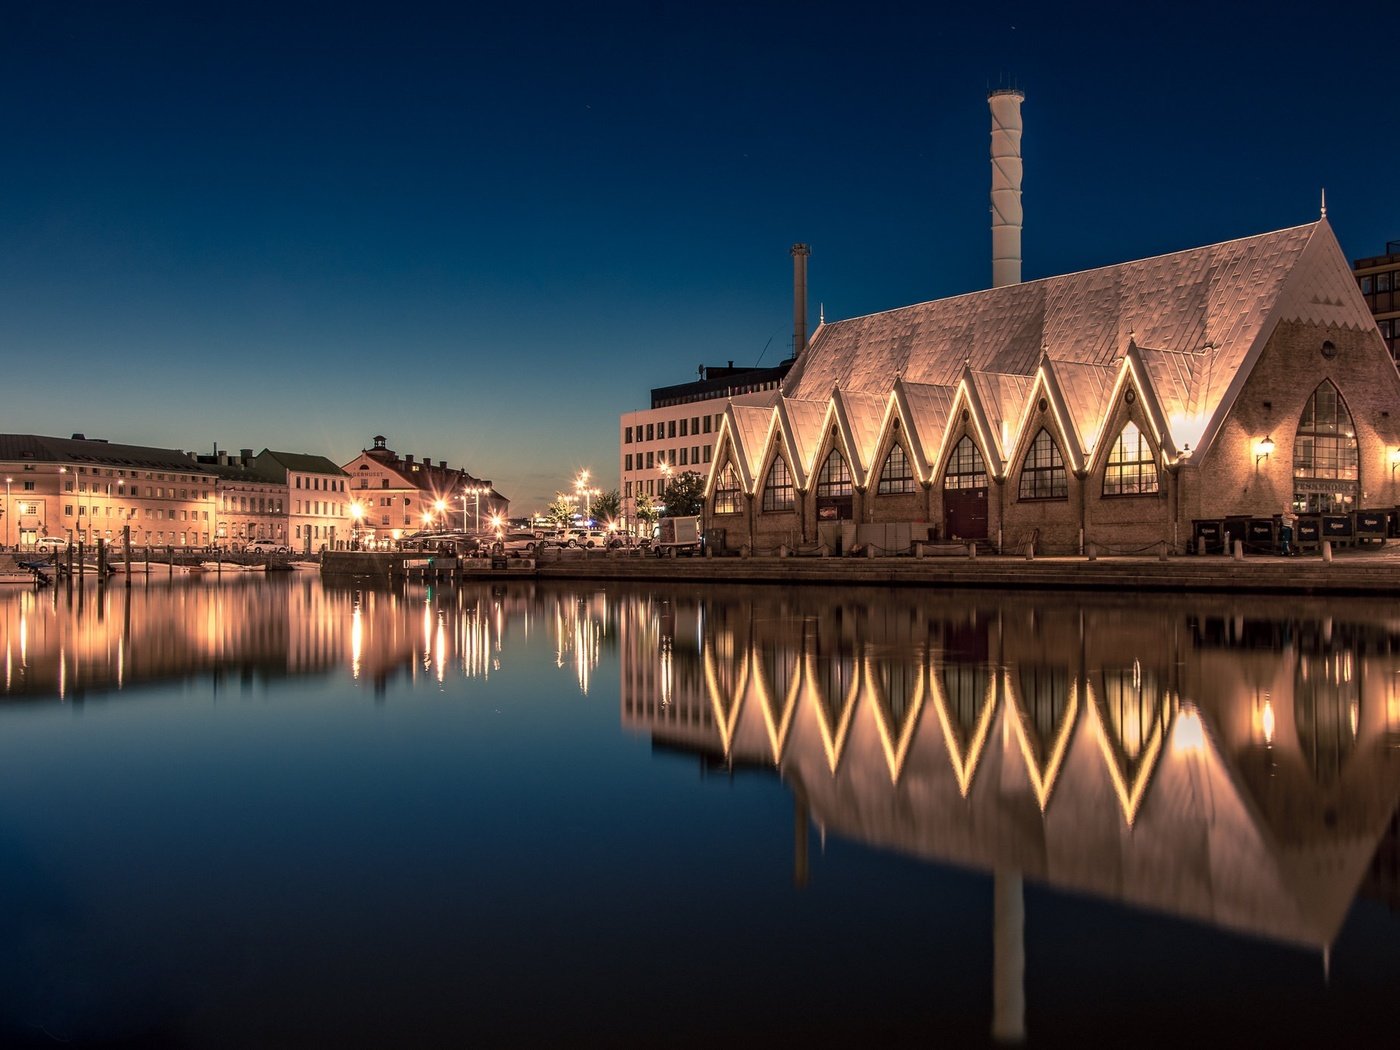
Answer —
1285 531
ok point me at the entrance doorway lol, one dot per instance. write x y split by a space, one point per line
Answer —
965 493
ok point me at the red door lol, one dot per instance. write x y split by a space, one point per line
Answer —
965 513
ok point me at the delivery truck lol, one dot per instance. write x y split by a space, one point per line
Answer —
681 535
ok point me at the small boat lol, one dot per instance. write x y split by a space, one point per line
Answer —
304 566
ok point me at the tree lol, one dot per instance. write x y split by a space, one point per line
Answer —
607 505
561 511
647 510
685 494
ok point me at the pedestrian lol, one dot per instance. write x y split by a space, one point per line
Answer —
1285 531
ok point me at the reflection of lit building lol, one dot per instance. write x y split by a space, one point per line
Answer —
1058 741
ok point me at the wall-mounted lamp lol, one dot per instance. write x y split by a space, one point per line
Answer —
1263 450
1394 460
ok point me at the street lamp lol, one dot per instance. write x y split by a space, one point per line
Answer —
475 492
8 508
357 512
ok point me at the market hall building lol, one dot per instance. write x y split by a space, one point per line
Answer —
1117 407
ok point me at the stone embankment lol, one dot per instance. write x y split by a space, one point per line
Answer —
1369 571
1352 575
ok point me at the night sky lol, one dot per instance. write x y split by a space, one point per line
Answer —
484 231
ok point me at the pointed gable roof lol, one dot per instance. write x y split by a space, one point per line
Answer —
749 428
804 421
1218 302
929 409
862 413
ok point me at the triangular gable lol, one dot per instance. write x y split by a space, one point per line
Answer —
1045 386
803 421
1003 400
1304 284
1173 379
1086 390
1136 369
861 418
750 428
928 409
967 397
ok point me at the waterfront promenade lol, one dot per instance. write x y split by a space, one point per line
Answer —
1371 571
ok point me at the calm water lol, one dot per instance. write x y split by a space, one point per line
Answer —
264 812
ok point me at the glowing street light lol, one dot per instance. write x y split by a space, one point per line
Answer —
475 492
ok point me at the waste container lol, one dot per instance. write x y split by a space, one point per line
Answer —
1209 536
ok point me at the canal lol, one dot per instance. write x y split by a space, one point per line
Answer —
262 811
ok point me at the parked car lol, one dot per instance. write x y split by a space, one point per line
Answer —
265 547
51 544
516 544
587 538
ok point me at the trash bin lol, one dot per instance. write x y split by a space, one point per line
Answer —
1209 536
1370 526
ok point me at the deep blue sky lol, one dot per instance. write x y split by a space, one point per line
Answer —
485 232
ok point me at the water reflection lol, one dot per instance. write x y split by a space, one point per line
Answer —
1198 757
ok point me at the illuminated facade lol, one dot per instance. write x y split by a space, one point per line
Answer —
252 499
318 500
85 491
1114 407
392 495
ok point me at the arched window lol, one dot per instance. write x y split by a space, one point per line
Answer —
1043 473
835 476
1132 468
727 491
1325 455
777 490
897 476
966 470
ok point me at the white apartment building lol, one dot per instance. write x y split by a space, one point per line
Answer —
677 433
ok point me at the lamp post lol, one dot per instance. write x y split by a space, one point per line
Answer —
357 513
475 492
582 489
8 508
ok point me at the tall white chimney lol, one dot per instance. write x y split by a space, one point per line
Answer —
1006 186
799 298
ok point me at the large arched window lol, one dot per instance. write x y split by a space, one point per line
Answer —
897 476
966 470
1325 455
777 490
727 491
1132 468
1043 473
835 476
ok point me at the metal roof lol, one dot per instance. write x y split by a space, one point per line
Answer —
1188 326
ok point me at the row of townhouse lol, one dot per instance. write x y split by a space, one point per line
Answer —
85 490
